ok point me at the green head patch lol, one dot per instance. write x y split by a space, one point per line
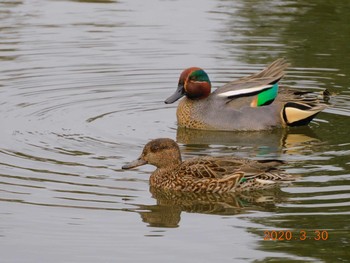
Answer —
199 75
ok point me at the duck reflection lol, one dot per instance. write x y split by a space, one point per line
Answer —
167 211
170 204
271 142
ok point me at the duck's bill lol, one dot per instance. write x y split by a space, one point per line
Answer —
134 164
177 95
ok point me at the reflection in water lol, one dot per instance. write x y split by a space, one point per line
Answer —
305 32
314 37
262 143
94 1
170 205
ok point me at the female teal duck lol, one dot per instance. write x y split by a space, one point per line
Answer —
206 174
247 104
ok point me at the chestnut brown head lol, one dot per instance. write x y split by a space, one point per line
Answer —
194 83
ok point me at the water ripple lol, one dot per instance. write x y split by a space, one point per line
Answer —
82 87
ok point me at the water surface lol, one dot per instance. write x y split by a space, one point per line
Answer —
82 86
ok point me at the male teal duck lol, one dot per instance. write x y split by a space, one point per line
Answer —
206 174
246 104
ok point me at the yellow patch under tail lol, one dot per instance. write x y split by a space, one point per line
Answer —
297 114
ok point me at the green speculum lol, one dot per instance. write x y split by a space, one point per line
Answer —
268 96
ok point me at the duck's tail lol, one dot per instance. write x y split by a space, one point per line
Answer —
298 114
265 180
301 112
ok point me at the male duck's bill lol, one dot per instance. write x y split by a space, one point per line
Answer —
254 102
207 174
179 93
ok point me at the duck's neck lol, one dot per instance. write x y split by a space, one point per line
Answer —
189 113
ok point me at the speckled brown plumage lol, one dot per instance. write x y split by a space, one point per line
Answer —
206 174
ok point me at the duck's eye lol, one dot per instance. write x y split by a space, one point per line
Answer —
198 75
193 78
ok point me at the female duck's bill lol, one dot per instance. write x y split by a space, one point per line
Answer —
135 163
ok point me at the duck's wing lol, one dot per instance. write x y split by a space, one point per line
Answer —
273 71
258 89
221 167
210 167
267 170
221 174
